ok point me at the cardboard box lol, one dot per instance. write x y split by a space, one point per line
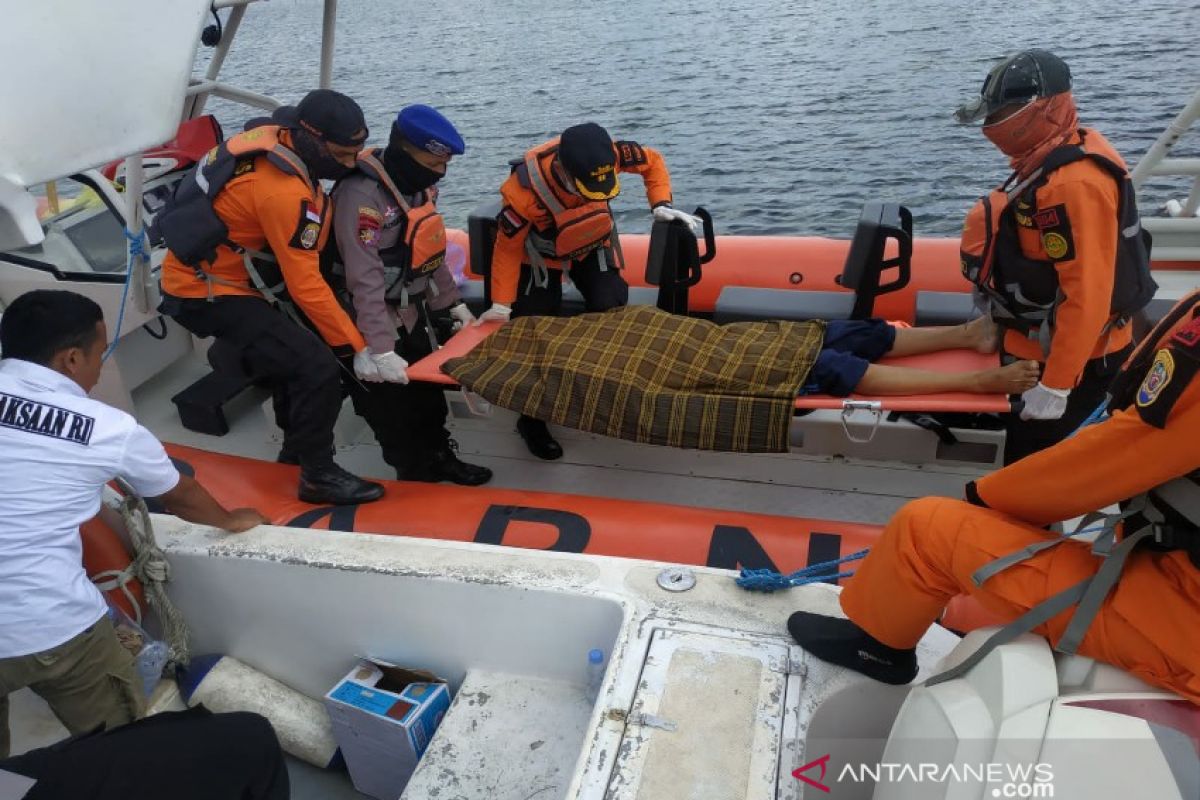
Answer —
383 718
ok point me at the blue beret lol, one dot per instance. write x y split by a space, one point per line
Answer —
427 129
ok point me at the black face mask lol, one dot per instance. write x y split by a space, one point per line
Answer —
410 175
316 156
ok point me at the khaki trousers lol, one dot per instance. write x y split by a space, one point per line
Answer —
88 681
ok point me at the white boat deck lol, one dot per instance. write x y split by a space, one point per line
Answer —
702 693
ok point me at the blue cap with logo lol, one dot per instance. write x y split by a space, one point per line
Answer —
427 129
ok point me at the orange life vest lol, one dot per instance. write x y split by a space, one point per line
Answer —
190 228
422 248
1024 292
579 226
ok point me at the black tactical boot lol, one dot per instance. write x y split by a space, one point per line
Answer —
329 484
444 465
538 439
839 641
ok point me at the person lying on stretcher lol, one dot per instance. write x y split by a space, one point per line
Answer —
844 365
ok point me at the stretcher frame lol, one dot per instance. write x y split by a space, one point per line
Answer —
429 370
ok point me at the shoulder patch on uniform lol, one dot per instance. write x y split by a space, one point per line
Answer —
1049 217
1055 227
308 230
510 221
243 166
371 213
1157 378
1056 245
631 154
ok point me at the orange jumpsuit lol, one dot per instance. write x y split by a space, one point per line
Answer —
265 208
1149 624
1075 211
522 209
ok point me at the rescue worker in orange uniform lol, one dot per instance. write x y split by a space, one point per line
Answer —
244 233
555 219
1057 251
388 262
1144 456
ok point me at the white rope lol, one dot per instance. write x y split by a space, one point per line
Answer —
151 567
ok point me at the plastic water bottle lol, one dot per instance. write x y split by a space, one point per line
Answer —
456 260
595 673
150 663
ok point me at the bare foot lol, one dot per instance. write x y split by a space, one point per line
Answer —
1017 377
982 334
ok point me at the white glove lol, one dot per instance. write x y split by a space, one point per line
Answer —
498 312
391 367
364 367
1042 402
666 214
462 316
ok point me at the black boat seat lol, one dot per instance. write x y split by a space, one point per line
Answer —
862 276
1151 315
944 308
201 405
749 304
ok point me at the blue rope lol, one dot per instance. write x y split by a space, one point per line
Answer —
137 251
768 580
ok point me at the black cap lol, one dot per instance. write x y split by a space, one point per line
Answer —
327 114
1020 78
588 155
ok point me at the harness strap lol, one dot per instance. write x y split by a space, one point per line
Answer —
1098 588
1087 595
541 188
380 173
1038 615
539 270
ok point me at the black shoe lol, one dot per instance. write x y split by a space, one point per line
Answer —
538 439
332 485
839 641
444 465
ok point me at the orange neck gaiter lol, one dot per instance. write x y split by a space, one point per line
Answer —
1028 136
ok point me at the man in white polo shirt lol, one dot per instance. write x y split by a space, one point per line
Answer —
57 450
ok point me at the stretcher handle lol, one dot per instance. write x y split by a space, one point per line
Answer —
476 405
849 407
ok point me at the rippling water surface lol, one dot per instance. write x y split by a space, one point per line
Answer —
780 117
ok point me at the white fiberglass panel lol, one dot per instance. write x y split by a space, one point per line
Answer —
91 82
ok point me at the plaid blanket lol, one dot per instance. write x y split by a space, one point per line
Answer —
641 374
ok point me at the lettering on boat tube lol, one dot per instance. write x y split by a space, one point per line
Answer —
562 523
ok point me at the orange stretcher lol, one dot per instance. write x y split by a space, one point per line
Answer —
429 369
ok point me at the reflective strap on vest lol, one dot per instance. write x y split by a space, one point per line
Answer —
542 189
379 172
539 269
296 164
273 294
540 276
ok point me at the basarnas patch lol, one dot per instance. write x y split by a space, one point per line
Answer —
308 229
1157 378
1056 245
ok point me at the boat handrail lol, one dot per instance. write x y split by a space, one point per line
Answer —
1176 235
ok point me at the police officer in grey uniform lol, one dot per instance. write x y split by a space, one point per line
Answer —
387 260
